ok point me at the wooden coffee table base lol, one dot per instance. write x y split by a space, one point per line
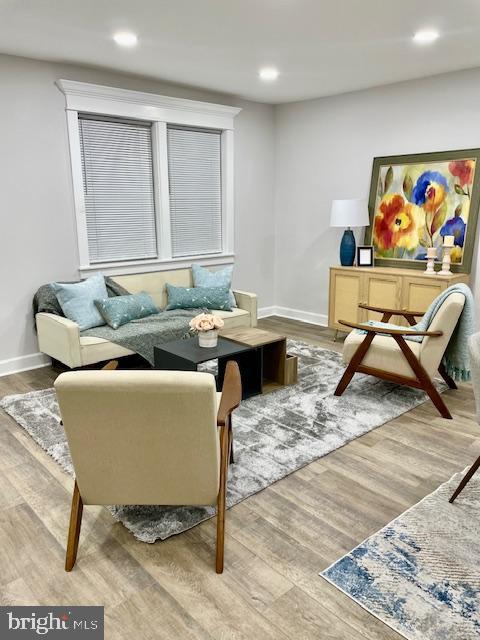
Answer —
271 352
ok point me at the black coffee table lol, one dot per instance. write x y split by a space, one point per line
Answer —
186 355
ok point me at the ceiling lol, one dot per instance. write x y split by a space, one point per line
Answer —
321 47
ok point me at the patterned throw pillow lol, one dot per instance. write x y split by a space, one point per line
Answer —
77 300
222 278
198 298
122 309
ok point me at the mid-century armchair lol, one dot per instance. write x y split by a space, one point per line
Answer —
385 353
148 437
474 349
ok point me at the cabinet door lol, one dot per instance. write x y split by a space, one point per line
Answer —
381 290
418 293
345 296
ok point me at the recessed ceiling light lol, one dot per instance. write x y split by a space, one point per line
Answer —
425 36
125 38
268 74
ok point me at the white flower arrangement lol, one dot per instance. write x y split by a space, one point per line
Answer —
206 322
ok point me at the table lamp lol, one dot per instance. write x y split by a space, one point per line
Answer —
349 213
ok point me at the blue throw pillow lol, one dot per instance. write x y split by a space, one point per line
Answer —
77 300
122 309
198 298
222 278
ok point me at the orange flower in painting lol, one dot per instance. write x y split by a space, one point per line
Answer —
463 170
395 224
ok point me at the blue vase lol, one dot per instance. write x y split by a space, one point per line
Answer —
347 249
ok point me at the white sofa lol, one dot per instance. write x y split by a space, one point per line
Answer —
60 338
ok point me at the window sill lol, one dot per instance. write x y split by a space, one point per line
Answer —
146 266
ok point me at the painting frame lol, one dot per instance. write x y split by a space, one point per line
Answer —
420 159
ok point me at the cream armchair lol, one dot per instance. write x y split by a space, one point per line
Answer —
386 354
148 437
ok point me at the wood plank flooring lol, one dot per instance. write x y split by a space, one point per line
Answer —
277 541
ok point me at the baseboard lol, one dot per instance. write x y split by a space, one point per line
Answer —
264 312
294 314
23 363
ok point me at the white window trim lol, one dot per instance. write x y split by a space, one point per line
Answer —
160 111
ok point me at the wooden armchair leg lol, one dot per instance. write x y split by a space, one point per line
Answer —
222 497
437 400
230 438
423 378
230 400
220 549
443 372
354 363
74 530
466 479
345 380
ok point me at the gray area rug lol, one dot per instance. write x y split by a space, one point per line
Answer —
274 434
420 574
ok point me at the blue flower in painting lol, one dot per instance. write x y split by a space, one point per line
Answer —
455 227
430 190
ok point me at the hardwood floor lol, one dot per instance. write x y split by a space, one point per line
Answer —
276 541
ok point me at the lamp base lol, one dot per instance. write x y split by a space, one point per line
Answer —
347 249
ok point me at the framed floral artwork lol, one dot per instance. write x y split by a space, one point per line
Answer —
416 200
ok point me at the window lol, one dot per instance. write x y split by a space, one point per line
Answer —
152 179
194 174
118 189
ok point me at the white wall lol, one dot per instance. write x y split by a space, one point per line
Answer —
290 162
324 150
37 230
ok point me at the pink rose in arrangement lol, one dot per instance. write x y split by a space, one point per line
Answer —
206 322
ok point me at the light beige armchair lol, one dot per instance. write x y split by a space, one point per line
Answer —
148 437
386 354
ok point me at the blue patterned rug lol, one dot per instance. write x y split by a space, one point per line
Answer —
421 573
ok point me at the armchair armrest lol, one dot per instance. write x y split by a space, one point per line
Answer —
392 312
59 338
248 302
231 393
392 332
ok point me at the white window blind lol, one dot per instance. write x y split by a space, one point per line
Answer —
194 168
118 188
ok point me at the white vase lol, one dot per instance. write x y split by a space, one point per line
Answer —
208 338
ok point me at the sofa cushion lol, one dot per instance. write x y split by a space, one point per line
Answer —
198 298
78 300
154 283
222 278
122 309
99 350
45 299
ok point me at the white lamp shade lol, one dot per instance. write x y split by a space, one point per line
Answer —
349 213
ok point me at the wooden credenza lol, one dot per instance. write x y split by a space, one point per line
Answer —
382 287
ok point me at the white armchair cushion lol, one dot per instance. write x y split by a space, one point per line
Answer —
384 353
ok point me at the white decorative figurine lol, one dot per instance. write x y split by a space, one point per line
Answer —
447 250
431 255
